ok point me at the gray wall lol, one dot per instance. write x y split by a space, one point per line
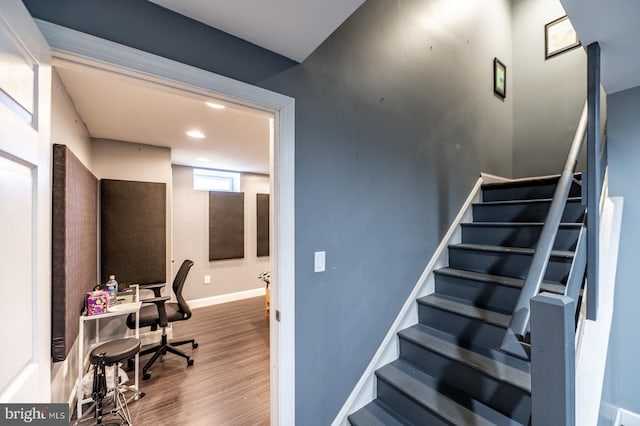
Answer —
548 95
622 376
394 123
395 119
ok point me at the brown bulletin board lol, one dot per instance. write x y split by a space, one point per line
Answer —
262 223
74 248
226 225
133 231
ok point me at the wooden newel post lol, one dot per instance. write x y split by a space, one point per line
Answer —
553 365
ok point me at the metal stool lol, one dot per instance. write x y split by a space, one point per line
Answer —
111 354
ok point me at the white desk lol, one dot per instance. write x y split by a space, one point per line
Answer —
117 310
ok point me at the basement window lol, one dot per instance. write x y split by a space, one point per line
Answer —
215 180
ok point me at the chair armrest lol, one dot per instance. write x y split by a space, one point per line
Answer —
162 311
156 300
155 287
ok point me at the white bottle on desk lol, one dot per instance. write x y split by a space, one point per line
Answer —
112 288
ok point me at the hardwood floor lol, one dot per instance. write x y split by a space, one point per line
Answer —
229 381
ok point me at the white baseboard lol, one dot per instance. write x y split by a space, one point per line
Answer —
627 418
591 354
225 298
365 389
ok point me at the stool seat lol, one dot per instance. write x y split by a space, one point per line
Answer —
116 350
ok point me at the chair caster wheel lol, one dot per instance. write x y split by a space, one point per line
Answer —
189 363
146 376
194 345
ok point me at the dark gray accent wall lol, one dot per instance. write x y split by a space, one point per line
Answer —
548 95
395 119
623 371
149 27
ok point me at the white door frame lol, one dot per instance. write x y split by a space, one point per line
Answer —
72 45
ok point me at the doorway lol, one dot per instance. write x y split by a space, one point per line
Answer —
70 45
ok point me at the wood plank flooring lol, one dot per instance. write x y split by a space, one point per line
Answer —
229 381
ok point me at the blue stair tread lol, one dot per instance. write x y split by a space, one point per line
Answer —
527 181
497 279
487 365
452 405
456 306
529 202
520 224
376 413
495 354
511 250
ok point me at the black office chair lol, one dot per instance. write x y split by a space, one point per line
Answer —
158 312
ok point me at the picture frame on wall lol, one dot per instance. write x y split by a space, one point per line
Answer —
559 37
499 78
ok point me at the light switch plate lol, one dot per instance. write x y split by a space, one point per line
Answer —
319 264
207 279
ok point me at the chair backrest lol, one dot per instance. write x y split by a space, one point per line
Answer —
178 284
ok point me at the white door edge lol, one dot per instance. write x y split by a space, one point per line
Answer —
71 45
25 156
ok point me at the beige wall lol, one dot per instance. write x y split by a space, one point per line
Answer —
191 233
131 161
67 128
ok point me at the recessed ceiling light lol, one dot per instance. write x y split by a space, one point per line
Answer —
203 160
195 134
215 105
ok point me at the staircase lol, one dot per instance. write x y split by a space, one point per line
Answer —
451 369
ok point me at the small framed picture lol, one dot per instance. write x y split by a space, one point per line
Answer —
499 78
559 36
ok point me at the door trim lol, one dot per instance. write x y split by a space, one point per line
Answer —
71 45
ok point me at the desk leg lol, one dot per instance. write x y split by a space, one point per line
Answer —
79 392
138 354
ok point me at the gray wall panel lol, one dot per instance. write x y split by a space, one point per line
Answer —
226 225
133 231
262 224
623 371
74 246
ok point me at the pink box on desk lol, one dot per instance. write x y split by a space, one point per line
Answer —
97 302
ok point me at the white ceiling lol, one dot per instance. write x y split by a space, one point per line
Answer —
122 108
292 28
614 24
